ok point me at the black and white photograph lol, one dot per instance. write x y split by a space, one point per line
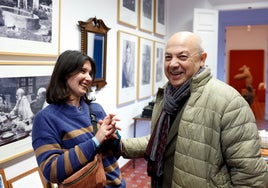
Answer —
158 64
146 22
161 12
147 7
20 99
127 67
128 70
160 17
146 64
129 4
145 68
26 23
128 12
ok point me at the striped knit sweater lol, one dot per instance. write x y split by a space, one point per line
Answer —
62 141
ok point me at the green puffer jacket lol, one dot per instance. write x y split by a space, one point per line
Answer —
215 143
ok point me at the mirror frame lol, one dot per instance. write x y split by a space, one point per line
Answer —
95 26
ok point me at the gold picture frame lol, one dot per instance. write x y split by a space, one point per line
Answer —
15 143
127 44
158 66
146 15
30 179
128 12
42 34
145 73
160 17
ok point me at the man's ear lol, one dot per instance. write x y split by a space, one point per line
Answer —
203 58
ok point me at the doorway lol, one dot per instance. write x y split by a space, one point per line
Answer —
237 18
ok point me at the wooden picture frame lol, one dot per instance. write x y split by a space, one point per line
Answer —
30 179
146 15
18 143
158 66
3 181
126 67
42 32
128 12
145 68
160 17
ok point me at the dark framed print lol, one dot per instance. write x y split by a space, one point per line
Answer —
145 68
30 28
158 76
146 15
3 182
127 67
160 17
128 12
30 179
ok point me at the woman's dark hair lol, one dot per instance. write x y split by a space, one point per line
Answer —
68 64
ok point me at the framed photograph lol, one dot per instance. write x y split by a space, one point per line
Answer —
158 64
30 28
3 182
20 99
146 15
160 17
145 78
127 67
30 179
128 12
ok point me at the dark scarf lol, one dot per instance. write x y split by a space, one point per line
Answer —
174 99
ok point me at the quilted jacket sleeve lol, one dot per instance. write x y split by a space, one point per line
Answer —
241 147
135 147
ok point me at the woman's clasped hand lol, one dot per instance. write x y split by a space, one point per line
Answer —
107 128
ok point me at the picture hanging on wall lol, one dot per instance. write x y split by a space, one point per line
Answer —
160 17
127 67
128 12
30 179
158 64
145 77
20 99
146 15
30 28
3 182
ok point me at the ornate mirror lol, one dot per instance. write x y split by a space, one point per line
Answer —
94 44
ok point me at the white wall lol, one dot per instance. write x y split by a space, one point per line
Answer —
180 14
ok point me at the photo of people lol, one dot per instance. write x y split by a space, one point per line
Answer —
20 99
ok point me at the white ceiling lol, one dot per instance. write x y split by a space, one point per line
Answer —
228 2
